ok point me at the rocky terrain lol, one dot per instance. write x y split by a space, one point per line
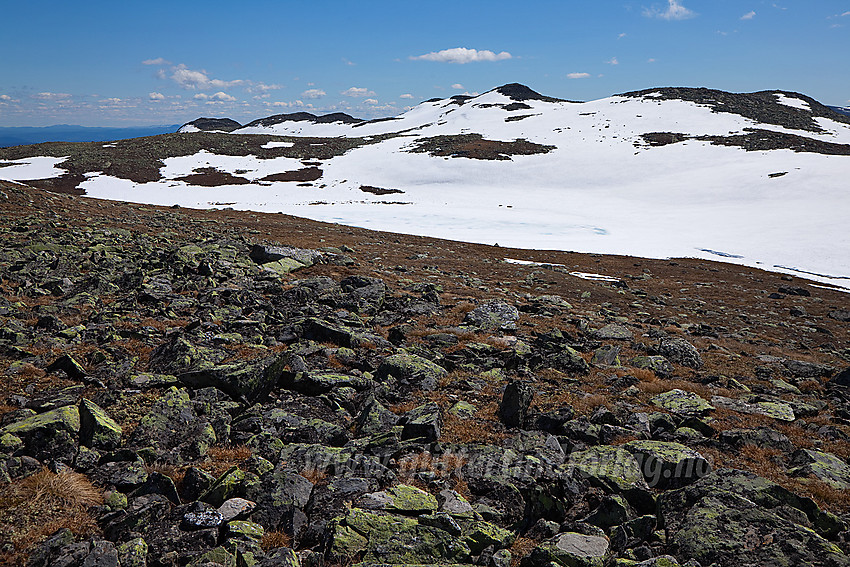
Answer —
213 387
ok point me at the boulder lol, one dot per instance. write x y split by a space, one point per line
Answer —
400 499
570 549
715 518
493 316
824 466
242 381
682 403
656 363
422 423
680 351
97 429
412 370
668 465
616 471
614 332
516 400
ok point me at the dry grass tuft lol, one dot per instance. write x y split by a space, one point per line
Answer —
317 476
66 487
275 539
521 548
222 457
33 508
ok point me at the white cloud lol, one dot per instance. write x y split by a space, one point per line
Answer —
613 61
111 100
7 98
578 75
372 101
156 96
621 36
217 97
313 93
51 96
675 11
651 60
190 79
406 95
457 86
157 61
749 15
356 92
262 87
463 55
293 104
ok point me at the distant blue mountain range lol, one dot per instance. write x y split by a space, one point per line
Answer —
19 136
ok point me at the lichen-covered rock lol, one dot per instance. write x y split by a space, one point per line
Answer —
133 553
681 352
567 359
411 369
615 470
570 549
823 466
400 499
777 410
682 403
243 381
656 363
493 316
174 428
715 517
389 539
423 423
613 331
97 429
66 418
668 465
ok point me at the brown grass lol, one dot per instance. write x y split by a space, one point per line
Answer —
275 539
33 508
317 476
521 547
222 457
485 429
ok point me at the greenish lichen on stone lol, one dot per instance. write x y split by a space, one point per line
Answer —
218 556
826 467
250 530
66 418
570 549
97 429
666 464
133 553
682 403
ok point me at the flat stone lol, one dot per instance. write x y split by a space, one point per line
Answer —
681 402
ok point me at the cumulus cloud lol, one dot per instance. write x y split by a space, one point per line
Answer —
372 101
457 86
313 93
191 79
217 97
356 92
293 104
111 101
261 87
674 11
613 61
578 75
5 98
156 96
749 15
51 96
157 61
406 95
463 55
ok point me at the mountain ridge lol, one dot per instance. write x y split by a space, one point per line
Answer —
754 177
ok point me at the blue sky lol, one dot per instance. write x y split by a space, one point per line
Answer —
121 63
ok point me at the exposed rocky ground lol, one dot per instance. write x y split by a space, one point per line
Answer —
234 388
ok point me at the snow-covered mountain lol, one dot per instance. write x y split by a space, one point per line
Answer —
757 179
